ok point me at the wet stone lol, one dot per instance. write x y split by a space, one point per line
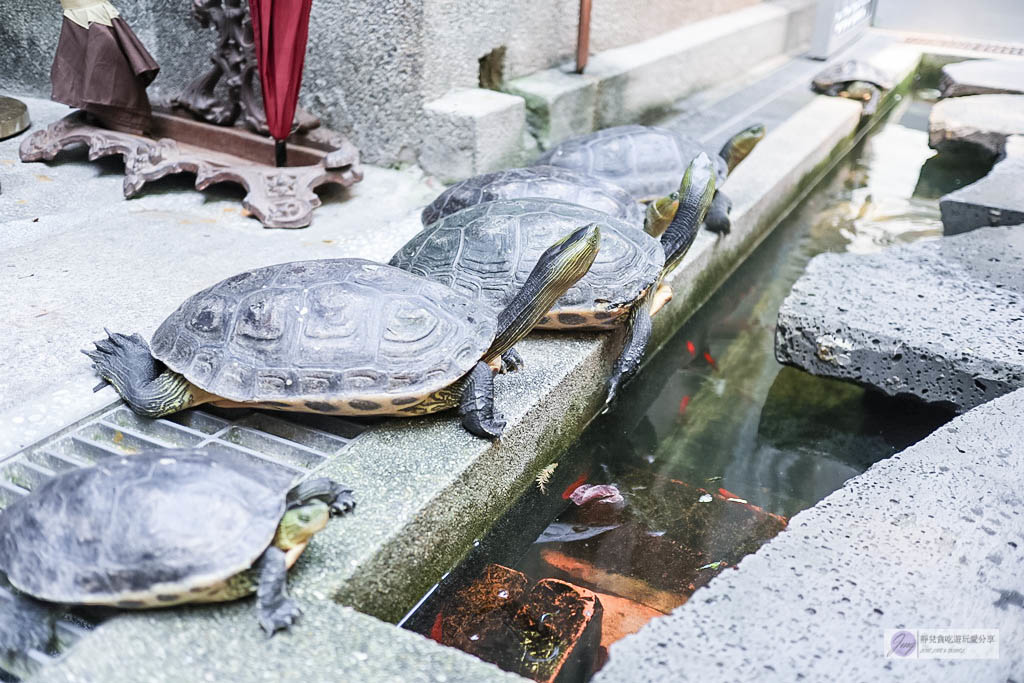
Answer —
977 125
982 77
994 200
939 320
550 632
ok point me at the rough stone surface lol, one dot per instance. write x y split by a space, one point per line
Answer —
329 643
982 77
473 131
941 320
930 538
559 103
979 124
997 199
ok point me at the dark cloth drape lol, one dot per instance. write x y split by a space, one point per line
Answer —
104 70
280 30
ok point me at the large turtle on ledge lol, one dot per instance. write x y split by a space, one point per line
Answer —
648 162
339 337
163 528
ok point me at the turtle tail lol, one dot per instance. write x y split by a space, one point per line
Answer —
149 388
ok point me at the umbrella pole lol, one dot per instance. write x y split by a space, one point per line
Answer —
280 153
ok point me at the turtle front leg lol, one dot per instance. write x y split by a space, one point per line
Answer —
476 405
717 219
276 610
638 334
874 97
511 361
25 624
149 389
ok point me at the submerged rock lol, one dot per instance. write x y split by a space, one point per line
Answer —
940 320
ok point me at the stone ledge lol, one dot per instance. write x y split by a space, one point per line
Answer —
947 329
933 537
978 124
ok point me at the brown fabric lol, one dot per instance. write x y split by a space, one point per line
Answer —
104 70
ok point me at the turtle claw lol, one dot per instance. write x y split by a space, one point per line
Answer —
511 361
344 503
280 619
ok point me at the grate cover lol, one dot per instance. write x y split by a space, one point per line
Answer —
296 443
977 46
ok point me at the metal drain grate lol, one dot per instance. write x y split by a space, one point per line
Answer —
297 443
995 48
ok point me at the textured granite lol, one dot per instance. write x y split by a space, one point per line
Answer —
941 320
994 200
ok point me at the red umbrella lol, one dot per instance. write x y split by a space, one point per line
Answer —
280 29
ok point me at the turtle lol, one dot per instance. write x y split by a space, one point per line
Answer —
855 79
553 182
339 337
648 161
166 527
485 251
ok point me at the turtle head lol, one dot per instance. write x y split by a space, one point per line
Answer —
660 213
557 269
568 259
299 524
695 194
739 146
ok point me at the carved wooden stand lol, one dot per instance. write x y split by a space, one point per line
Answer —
218 148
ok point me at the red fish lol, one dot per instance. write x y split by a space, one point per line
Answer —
575 485
684 404
691 348
435 630
710 360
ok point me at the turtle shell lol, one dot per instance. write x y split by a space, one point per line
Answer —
848 71
332 335
645 161
551 182
487 252
156 528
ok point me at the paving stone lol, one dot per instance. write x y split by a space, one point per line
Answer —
977 125
994 200
930 538
941 320
982 77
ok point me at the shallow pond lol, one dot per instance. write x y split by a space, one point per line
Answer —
710 450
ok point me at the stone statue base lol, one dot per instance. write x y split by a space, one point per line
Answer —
277 197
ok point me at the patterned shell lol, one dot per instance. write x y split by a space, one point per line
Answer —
645 161
549 182
487 252
133 529
341 329
851 70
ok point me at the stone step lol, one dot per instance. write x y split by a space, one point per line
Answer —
994 200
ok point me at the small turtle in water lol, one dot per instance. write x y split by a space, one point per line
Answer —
647 162
163 528
854 79
340 337
486 250
553 182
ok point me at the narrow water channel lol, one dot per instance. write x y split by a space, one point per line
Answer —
710 450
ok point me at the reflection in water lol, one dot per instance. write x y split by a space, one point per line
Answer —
715 445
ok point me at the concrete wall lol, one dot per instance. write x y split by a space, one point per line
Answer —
371 64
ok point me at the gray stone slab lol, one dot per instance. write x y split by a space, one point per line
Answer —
997 199
930 538
982 77
941 320
978 124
